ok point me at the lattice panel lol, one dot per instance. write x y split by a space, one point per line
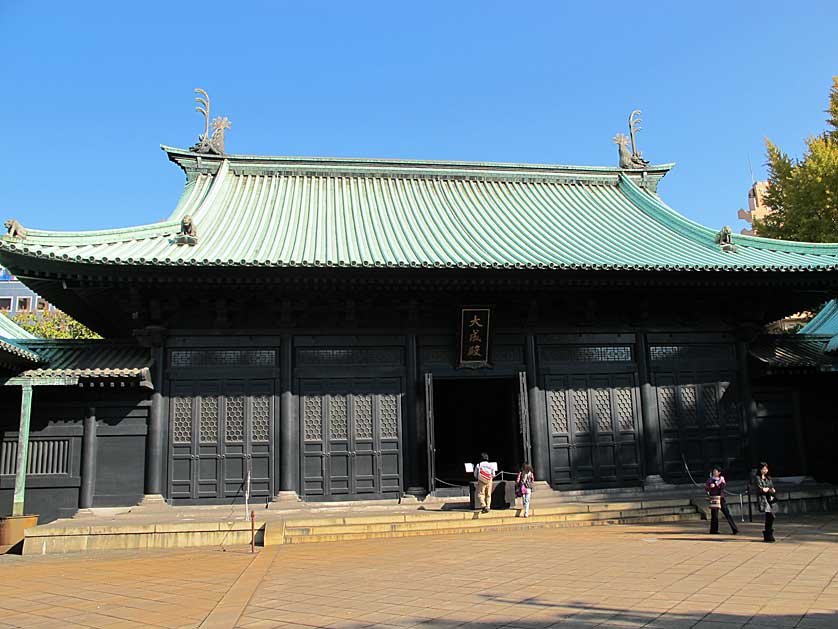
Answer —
234 424
602 410
363 416
313 418
389 416
625 409
44 457
689 403
666 407
223 358
338 420
581 418
691 353
351 356
557 408
182 420
586 353
208 425
709 405
260 418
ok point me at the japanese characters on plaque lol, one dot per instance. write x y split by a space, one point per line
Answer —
475 326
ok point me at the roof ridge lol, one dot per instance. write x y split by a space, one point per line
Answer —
659 210
175 154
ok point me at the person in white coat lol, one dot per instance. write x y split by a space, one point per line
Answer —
484 473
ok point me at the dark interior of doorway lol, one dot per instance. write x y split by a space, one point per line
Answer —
472 416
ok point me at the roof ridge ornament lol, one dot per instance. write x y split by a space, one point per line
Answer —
631 160
210 143
14 229
188 234
725 240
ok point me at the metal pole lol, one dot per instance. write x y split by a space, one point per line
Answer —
22 448
252 531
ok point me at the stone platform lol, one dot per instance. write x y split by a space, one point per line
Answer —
289 522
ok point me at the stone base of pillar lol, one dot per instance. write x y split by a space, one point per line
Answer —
416 492
287 497
655 481
153 502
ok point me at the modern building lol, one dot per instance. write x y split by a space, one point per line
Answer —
334 329
757 207
16 297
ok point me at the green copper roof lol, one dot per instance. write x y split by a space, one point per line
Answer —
784 352
93 359
11 349
825 323
11 330
254 211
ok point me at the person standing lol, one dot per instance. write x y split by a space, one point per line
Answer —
715 487
484 473
766 497
525 481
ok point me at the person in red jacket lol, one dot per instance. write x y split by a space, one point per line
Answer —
715 487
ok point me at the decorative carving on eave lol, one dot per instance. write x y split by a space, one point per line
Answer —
630 160
14 229
188 234
207 143
725 240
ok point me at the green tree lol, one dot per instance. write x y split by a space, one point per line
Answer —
803 193
53 324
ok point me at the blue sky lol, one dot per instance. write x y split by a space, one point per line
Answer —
89 91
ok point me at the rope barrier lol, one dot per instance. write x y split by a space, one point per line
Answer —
500 473
728 493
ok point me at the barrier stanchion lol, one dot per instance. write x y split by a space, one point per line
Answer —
253 531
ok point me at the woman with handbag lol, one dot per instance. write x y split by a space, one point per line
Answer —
715 487
523 486
766 499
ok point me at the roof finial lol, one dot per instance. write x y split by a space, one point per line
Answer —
207 143
633 160
725 240
14 229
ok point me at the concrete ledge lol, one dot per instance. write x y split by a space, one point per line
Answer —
55 539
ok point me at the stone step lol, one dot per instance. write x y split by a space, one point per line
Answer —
482 522
511 524
308 527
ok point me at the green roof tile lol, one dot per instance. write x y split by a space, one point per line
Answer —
322 212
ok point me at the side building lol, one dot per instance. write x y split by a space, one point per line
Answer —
336 329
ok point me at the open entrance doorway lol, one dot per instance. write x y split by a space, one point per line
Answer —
470 416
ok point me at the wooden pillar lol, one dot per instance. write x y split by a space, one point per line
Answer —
289 437
88 461
799 433
749 411
539 439
652 454
22 448
154 437
411 446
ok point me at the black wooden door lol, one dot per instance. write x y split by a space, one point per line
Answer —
222 434
351 438
700 422
593 421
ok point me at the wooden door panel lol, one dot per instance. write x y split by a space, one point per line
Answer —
182 439
593 421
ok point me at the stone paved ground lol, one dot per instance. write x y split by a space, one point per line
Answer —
672 575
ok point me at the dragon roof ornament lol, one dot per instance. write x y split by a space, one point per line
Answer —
210 143
631 160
